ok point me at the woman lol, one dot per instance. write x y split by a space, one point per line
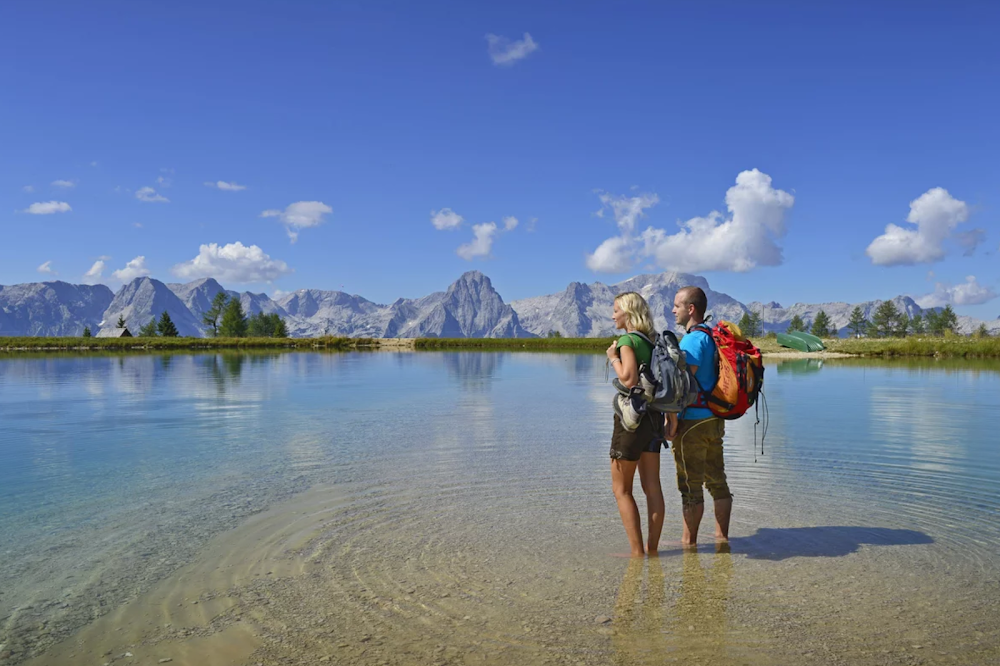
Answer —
641 447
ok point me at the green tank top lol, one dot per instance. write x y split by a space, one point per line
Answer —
643 350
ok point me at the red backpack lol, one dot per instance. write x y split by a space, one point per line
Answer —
741 371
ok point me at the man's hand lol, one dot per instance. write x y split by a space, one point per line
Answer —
670 427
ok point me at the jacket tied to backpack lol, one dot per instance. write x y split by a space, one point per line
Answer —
666 384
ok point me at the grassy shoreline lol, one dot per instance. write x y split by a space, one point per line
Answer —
951 347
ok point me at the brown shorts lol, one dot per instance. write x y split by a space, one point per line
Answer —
647 438
698 455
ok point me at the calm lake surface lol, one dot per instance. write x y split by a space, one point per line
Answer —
455 508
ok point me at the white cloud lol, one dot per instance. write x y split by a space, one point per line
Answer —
93 164
509 223
64 184
223 185
446 219
739 242
95 272
133 269
234 262
137 225
48 208
46 269
935 213
149 195
968 293
300 215
163 181
28 188
503 51
482 243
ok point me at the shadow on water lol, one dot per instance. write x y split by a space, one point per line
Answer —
784 543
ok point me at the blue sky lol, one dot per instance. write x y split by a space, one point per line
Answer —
349 125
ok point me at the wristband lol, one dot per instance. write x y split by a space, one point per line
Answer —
615 359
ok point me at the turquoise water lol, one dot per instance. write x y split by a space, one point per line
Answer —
473 512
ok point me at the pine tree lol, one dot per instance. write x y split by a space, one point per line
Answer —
948 319
981 332
263 325
885 320
165 327
796 324
211 316
857 323
917 324
934 323
149 329
121 322
903 325
821 325
746 324
86 332
234 322
756 323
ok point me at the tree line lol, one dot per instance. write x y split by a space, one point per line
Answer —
888 321
225 318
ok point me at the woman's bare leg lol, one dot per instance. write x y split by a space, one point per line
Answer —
622 473
649 476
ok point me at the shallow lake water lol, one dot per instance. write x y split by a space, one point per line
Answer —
455 508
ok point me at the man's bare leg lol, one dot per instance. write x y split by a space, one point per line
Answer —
723 510
649 476
692 519
622 473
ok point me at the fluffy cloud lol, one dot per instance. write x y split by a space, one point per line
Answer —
48 208
446 218
503 51
149 195
133 269
96 271
228 187
482 243
300 215
739 242
510 223
968 293
234 262
46 269
935 213
64 184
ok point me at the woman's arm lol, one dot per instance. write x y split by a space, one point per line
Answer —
624 363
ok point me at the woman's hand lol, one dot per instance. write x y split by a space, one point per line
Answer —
613 351
670 427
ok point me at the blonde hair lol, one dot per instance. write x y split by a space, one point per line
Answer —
637 310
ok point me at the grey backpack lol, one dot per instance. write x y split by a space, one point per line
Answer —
666 381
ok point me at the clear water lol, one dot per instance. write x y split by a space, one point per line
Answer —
456 508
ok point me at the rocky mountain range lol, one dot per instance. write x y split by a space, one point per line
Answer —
470 307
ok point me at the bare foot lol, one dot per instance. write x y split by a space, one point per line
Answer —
629 555
721 538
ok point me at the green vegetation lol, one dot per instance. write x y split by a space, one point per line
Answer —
158 343
750 324
796 324
857 323
121 322
234 321
821 325
165 327
263 325
86 332
149 329
516 344
211 316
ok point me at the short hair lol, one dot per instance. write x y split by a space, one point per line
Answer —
637 311
695 296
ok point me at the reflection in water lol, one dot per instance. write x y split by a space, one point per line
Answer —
646 632
474 370
799 366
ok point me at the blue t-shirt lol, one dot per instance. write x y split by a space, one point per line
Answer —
699 349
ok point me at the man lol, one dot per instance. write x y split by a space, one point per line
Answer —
698 441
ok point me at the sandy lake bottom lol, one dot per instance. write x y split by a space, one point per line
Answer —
456 509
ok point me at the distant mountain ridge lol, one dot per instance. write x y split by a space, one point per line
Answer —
470 307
